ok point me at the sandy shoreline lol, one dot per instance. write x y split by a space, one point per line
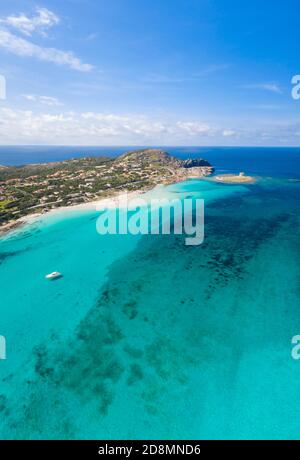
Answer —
113 202
110 202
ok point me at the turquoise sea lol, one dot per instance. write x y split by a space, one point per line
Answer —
147 338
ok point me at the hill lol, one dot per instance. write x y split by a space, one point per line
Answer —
40 187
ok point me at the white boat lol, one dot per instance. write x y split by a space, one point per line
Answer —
53 276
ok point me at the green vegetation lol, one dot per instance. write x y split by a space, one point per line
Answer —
4 204
40 187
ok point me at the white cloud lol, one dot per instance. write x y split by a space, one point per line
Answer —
23 47
30 97
96 128
45 100
194 128
120 124
272 87
50 101
228 132
74 127
40 23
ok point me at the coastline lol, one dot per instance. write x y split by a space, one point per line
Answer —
109 202
30 191
118 200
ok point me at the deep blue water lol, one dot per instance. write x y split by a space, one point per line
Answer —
272 161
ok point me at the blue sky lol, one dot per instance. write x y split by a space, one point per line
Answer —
159 72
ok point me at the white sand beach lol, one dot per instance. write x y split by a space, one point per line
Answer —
115 201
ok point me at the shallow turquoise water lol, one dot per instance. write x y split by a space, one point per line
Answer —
145 337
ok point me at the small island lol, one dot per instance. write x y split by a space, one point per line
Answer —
240 178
